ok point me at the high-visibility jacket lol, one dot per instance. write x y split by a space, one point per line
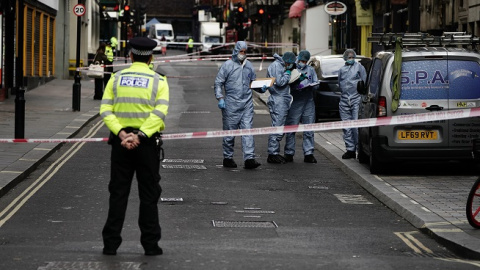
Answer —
109 53
136 97
114 42
190 43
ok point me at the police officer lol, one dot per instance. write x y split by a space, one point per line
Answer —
109 63
134 107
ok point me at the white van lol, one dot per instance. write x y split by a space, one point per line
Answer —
161 29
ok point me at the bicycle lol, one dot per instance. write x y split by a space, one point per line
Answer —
473 201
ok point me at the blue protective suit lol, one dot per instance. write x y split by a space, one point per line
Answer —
233 84
302 109
348 76
278 102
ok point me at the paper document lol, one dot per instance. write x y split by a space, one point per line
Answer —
260 82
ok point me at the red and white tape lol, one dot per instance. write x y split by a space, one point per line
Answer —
382 121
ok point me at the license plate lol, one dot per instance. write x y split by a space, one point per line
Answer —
417 134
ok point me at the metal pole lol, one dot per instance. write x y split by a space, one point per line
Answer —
20 89
77 87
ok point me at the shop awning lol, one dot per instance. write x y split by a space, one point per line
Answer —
296 9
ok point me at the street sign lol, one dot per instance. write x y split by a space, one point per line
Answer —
335 8
79 10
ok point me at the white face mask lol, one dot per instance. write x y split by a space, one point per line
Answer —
241 57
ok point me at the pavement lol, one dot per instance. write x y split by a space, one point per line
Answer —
435 205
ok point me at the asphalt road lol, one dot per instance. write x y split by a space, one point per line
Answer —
291 216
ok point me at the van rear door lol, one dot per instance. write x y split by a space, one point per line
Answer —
424 88
464 93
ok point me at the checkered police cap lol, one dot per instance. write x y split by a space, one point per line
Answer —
142 45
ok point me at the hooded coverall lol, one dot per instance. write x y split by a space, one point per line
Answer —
348 77
302 109
235 77
279 101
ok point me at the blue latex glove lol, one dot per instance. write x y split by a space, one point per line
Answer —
221 104
300 86
264 89
288 71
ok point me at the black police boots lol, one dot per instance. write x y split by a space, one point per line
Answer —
349 154
288 158
251 164
229 163
276 159
309 159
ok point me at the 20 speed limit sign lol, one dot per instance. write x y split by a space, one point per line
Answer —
79 10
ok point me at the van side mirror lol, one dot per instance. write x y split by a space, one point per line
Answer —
361 89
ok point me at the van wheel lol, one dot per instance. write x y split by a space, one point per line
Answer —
376 166
362 157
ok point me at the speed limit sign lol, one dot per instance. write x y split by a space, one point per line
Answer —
79 10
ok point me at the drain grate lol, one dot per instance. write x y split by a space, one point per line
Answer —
188 167
243 224
352 199
171 199
255 212
91 266
183 160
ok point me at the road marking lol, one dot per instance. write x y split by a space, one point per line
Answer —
476 263
13 207
410 241
261 112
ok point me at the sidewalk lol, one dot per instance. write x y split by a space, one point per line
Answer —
48 114
434 205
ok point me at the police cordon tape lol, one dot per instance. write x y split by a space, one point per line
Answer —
371 122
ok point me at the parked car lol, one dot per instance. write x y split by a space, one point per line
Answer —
432 79
328 94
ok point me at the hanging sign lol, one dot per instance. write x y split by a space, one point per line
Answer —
335 8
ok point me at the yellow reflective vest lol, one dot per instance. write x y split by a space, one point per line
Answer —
109 53
136 97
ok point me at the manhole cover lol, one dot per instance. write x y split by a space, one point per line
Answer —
243 224
255 212
352 199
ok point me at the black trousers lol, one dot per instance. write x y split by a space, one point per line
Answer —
98 88
106 76
143 161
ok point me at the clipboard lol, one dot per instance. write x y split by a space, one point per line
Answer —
260 82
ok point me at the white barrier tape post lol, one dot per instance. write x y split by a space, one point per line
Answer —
382 121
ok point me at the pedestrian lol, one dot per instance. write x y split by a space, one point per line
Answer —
100 58
348 77
163 43
232 90
190 46
279 101
302 109
114 43
108 64
134 107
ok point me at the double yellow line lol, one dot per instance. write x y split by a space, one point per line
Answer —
19 201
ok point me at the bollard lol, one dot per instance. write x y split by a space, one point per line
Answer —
20 113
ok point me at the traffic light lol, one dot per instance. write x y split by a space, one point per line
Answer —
126 14
240 17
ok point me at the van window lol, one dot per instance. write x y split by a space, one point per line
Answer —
464 79
423 80
375 75
164 33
